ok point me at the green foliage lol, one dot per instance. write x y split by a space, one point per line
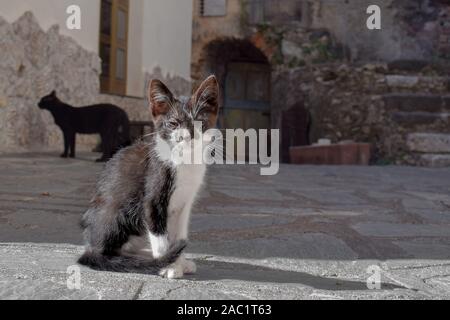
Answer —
273 37
296 62
320 50
263 27
277 58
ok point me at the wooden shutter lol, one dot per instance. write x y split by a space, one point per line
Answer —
114 45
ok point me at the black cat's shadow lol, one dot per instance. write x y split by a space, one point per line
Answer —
220 270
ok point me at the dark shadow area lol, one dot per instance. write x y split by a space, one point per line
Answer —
217 270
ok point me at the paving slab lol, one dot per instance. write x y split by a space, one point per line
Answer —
307 233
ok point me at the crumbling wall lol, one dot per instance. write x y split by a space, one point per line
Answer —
178 85
33 63
347 102
409 29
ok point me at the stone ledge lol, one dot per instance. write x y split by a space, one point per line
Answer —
428 142
402 81
419 117
411 102
435 160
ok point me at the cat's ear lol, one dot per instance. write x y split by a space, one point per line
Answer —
205 101
53 94
160 98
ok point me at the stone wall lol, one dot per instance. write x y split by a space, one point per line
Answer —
327 31
349 102
34 63
444 33
208 29
410 29
323 63
337 29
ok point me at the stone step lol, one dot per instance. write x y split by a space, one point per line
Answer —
428 142
410 82
435 160
407 65
417 102
420 118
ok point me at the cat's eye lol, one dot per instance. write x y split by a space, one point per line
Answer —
173 124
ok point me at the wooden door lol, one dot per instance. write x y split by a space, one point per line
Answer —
247 97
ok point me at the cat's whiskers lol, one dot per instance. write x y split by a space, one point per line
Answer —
149 134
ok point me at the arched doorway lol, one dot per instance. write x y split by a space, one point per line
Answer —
245 76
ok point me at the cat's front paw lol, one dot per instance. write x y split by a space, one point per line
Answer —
189 266
64 155
174 271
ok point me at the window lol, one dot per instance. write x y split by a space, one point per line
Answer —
213 8
113 46
266 11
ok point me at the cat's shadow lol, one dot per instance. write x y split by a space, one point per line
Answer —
220 270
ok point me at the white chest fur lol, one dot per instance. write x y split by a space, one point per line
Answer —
188 180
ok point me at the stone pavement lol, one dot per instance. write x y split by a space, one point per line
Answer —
307 233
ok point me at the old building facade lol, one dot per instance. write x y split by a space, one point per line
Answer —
330 76
310 68
120 46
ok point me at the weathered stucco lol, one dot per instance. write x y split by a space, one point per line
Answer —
178 85
33 64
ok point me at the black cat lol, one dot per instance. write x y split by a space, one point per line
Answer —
108 120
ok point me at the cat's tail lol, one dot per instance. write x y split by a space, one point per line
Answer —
98 261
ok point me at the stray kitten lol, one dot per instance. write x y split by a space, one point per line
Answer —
138 219
108 120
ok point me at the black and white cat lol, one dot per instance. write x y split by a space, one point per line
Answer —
139 217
